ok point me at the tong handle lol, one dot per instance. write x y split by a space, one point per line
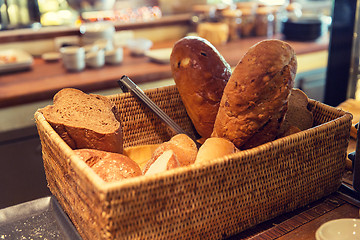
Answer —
125 82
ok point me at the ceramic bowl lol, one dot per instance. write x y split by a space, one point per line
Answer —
302 29
139 46
339 229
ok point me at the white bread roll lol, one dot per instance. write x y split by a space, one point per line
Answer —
180 147
165 161
214 148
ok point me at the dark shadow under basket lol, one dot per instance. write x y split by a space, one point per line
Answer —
214 200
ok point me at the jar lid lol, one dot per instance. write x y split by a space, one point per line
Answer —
203 8
250 5
232 13
263 10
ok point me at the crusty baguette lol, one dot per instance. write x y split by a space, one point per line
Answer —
109 166
200 74
85 120
255 99
213 148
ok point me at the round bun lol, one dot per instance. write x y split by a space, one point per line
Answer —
109 166
181 146
214 148
165 161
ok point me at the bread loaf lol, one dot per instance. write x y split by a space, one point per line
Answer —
213 148
200 74
109 166
85 120
255 99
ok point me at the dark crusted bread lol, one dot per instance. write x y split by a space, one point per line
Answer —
200 74
255 99
298 115
85 120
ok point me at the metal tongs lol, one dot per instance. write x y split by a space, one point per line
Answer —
126 84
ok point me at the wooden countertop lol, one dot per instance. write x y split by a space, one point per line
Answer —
303 223
45 79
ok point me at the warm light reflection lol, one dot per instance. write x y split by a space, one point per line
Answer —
273 2
141 14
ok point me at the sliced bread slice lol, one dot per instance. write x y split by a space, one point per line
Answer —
85 120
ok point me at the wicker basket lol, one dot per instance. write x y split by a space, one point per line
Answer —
216 200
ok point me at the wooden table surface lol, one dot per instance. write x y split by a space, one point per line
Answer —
44 79
302 224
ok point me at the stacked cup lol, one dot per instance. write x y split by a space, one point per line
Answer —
73 58
98 31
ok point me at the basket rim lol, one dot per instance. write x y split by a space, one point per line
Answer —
106 187
73 159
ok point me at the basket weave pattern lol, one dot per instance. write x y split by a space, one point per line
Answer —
215 200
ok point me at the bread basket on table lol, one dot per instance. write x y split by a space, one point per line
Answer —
213 200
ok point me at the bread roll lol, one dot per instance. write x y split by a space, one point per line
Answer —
298 115
214 148
166 161
352 106
200 74
85 120
183 147
255 99
109 166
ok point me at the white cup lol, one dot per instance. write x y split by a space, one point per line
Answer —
90 48
73 58
95 59
114 56
344 229
105 44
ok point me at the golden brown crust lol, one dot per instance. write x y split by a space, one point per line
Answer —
200 74
109 166
184 149
255 99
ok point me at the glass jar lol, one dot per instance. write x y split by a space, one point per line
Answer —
215 32
201 13
264 25
247 22
248 10
232 17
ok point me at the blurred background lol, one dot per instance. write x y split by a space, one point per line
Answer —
324 34
34 13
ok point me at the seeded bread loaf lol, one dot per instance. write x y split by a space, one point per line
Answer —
109 166
85 120
255 99
200 74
